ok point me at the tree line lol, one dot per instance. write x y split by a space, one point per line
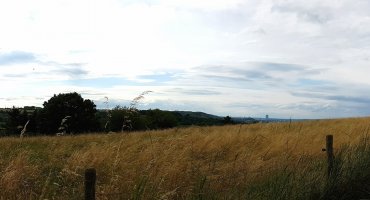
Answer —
69 113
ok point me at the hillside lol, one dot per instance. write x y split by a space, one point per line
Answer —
196 114
258 161
185 118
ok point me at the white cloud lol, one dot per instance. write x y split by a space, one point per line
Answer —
127 39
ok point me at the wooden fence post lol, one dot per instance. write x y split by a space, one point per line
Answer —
330 153
90 179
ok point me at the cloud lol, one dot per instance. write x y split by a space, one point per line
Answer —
21 75
266 67
191 92
310 57
101 82
306 12
72 72
359 99
44 71
158 78
16 57
256 74
62 64
205 5
354 99
285 67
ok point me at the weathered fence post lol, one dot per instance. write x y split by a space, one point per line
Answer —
330 153
90 179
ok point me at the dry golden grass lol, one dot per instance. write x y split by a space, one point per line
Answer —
181 163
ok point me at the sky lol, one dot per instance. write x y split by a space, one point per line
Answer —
284 58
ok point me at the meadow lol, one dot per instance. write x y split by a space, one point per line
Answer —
257 161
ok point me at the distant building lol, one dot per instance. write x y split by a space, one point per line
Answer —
267 119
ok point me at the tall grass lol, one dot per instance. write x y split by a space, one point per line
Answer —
260 161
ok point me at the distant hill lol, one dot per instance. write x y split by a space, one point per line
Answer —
197 114
201 118
186 118
244 120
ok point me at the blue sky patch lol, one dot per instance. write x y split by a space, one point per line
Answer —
16 57
311 82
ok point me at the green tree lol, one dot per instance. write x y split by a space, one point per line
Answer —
127 118
158 119
16 120
228 120
82 114
120 119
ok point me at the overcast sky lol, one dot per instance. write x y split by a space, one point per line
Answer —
285 58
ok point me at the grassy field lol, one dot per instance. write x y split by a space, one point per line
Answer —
259 161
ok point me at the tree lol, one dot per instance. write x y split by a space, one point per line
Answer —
119 119
16 120
228 120
127 118
158 119
82 114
